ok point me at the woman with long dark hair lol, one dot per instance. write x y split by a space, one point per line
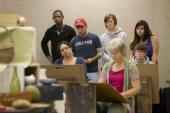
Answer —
143 34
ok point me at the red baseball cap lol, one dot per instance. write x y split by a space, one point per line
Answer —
80 21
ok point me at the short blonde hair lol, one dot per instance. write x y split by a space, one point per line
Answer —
117 44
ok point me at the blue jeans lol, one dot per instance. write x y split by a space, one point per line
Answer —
92 77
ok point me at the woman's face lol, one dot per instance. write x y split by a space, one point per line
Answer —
110 24
116 55
65 50
140 30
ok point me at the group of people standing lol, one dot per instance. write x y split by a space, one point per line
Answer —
111 48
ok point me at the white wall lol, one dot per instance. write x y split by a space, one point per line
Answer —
128 12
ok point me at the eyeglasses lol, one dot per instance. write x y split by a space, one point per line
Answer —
63 49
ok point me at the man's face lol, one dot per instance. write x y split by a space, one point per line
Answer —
140 55
58 18
81 30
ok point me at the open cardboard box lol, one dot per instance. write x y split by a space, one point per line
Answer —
65 72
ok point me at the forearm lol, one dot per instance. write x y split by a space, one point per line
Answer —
96 57
50 58
101 79
130 92
136 88
154 59
155 45
44 47
100 52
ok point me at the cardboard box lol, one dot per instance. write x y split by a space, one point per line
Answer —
65 72
111 96
8 18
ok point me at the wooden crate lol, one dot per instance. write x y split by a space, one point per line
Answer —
80 98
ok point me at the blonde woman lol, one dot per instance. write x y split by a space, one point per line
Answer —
122 75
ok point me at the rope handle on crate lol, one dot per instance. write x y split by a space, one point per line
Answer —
7 31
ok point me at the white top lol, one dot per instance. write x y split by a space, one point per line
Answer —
106 38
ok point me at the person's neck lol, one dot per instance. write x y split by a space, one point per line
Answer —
120 62
140 61
83 35
141 38
119 65
112 29
60 26
69 60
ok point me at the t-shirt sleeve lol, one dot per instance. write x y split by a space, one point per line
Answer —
80 60
98 43
105 69
134 72
58 61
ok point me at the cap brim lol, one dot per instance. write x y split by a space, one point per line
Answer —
80 24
